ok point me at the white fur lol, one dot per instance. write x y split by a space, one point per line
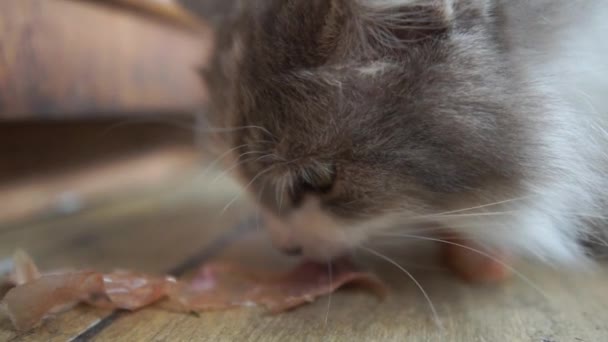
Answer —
375 68
562 48
320 236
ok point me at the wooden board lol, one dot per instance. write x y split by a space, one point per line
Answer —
62 194
62 58
28 146
110 236
571 308
548 306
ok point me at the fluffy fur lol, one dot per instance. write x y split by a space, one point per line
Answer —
353 118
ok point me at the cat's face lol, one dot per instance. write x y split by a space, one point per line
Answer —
348 117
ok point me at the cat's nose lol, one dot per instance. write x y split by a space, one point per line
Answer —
292 251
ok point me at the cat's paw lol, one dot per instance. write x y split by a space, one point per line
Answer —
473 263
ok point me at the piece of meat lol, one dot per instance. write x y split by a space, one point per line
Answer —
27 304
221 286
216 286
131 290
5 285
24 269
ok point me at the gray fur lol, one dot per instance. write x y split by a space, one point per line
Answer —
412 106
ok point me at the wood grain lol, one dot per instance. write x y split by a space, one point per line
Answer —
61 58
63 193
571 308
28 147
154 234
545 306
167 11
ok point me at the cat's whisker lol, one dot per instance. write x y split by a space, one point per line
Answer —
478 207
473 215
281 188
259 208
147 120
442 230
228 170
237 129
330 276
591 216
239 163
218 159
431 265
226 153
208 168
235 198
178 124
438 223
414 280
601 243
445 214
588 236
527 280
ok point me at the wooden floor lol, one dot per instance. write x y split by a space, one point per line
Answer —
175 231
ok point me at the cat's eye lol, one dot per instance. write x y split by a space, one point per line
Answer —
316 187
313 183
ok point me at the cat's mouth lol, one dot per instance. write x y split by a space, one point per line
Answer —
310 234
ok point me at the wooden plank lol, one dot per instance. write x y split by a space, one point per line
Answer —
29 146
159 233
154 234
61 58
572 308
213 11
64 193
167 11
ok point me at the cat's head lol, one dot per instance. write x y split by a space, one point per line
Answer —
348 117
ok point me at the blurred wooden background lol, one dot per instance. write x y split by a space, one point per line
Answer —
95 97
68 58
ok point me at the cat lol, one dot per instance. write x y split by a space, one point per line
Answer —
355 120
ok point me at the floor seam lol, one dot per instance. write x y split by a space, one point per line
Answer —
188 264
